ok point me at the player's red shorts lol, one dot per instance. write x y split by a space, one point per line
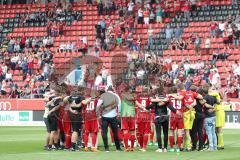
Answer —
176 122
91 126
128 123
144 127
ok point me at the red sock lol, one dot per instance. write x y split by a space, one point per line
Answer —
140 140
180 139
145 141
171 141
120 135
125 140
132 139
94 140
151 136
68 141
86 139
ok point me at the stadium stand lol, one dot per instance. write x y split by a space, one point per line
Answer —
38 38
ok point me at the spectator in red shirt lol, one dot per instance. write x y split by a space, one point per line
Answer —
61 26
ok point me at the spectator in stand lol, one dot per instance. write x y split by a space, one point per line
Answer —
100 8
186 10
140 16
46 71
23 41
221 28
30 64
3 88
61 26
236 34
130 8
216 81
235 3
150 35
213 29
178 32
103 26
159 15
197 44
169 34
129 41
236 71
146 14
181 44
151 17
54 30
207 45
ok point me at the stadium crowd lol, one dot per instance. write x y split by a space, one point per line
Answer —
20 54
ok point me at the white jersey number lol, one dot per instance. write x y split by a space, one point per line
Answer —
90 106
177 105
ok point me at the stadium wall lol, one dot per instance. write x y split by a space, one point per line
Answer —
23 112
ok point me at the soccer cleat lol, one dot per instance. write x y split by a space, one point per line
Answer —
220 148
159 150
177 150
107 150
143 150
72 149
127 149
171 150
131 149
119 150
86 149
150 143
164 150
94 150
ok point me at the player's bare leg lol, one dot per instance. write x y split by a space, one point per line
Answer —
74 140
47 140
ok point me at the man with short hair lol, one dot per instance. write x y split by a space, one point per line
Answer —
107 106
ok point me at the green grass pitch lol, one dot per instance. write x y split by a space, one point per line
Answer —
26 143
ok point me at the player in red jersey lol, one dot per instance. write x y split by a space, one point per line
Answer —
188 98
90 124
128 115
176 119
64 125
143 120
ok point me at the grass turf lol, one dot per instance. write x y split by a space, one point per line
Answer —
26 143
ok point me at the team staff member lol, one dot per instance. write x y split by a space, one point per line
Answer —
45 116
128 118
107 107
210 118
75 109
54 104
160 104
197 129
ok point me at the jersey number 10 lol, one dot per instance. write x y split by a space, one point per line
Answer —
90 106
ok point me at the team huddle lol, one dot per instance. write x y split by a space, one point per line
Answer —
189 119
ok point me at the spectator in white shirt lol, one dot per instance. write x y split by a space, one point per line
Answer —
216 81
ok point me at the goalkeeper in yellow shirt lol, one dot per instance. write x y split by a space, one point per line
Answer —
220 117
